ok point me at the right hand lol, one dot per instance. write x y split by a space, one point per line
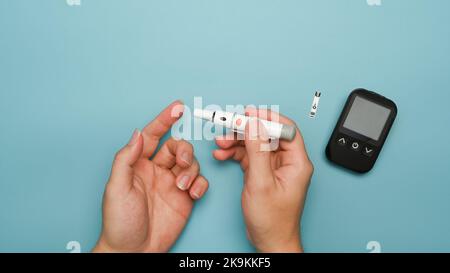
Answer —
276 183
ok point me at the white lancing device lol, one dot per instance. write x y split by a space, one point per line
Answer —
237 123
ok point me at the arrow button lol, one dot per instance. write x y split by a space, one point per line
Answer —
342 141
368 151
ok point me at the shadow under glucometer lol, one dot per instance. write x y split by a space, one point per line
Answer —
341 168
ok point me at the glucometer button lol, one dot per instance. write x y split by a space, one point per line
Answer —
368 151
342 141
355 146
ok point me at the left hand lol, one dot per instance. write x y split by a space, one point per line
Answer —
147 203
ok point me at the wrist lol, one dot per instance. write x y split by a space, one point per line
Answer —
287 248
102 247
292 245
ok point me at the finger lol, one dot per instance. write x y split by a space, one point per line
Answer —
187 176
257 146
199 188
228 141
174 152
122 169
176 170
236 153
157 128
297 144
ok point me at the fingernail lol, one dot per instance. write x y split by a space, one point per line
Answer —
262 131
186 157
253 128
134 137
196 193
177 110
183 183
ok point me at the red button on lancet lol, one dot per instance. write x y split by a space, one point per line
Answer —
238 122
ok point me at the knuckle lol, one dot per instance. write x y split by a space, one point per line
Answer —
188 145
309 168
196 165
118 156
184 143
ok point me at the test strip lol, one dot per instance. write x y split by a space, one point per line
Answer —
315 104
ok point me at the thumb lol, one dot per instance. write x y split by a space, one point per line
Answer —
122 169
258 149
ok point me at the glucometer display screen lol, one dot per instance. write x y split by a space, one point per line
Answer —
367 118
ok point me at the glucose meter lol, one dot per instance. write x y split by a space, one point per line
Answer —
361 130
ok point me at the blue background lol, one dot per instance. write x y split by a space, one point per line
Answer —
75 82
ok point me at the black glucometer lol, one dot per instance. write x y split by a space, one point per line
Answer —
361 130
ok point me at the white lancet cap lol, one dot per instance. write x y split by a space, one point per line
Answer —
204 114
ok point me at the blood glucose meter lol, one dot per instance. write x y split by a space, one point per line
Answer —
361 130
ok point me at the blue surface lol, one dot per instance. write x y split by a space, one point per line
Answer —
75 81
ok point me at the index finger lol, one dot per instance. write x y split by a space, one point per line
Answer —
158 127
296 143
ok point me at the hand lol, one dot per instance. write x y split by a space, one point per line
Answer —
148 202
276 183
